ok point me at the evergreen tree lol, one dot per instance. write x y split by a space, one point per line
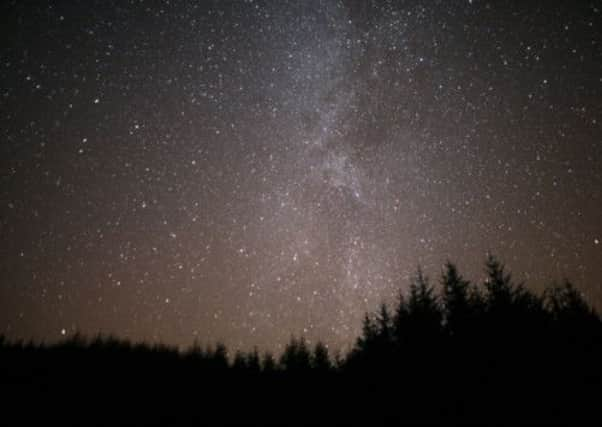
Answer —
401 320
268 364
253 362
240 361
423 308
218 358
498 284
566 303
512 310
320 360
369 334
384 325
572 315
456 301
296 356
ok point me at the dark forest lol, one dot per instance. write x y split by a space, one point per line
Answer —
444 352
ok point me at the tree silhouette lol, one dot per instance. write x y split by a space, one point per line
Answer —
253 362
456 299
369 334
574 320
296 356
419 320
218 358
499 286
240 361
567 304
268 363
472 353
320 360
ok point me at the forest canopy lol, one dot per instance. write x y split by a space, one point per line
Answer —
465 345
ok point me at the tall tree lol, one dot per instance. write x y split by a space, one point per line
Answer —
456 300
424 308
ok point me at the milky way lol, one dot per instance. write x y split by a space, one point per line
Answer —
244 171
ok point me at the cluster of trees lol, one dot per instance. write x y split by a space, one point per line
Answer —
495 317
461 315
298 356
449 351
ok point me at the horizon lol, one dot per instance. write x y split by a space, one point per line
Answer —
87 337
241 172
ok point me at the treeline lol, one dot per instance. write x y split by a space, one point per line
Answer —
445 351
499 316
298 356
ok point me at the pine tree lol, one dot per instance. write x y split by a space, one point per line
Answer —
369 334
218 357
320 359
253 362
400 321
240 361
423 308
570 310
498 284
268 363
456 300
296 356
384 325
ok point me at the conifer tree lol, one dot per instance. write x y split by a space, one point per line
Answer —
320 360
268 363
253 362
456 300
296 356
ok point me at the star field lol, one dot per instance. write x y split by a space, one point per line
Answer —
243 171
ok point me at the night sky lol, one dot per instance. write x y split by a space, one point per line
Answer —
244 171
